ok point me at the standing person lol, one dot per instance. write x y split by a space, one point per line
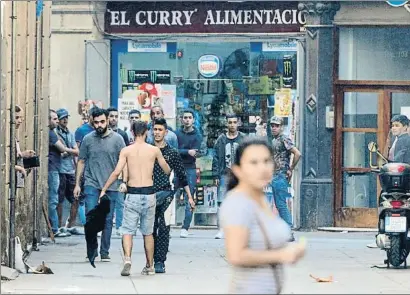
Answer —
283 148
67 173
255 237
21 172
189 143
225 148
55 149
158 113
164 192
84 129
99 154
113 123
133 116
79 135
400 148
138 159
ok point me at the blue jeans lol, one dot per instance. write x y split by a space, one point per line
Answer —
92 195
191 176
119 210
221 196
53 185
280 192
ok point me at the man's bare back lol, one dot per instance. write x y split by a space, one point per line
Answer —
140 159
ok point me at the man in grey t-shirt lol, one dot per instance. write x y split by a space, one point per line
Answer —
99 154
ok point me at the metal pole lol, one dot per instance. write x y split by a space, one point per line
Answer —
12 177
36 145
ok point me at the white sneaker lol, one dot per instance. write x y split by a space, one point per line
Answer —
219 235
184 233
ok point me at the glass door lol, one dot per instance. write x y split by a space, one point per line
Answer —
359 121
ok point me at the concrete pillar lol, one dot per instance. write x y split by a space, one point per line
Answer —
316 193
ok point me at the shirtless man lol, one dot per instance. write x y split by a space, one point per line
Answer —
138 160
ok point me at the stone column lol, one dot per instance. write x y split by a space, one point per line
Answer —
316 192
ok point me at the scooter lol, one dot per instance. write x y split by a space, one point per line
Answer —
393 209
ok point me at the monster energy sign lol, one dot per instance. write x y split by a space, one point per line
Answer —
287 71
153 76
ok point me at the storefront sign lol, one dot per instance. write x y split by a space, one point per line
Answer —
279 47
134 46
209 65
203 17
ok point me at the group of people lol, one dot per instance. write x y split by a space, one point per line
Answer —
132 168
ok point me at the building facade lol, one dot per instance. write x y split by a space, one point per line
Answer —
336 72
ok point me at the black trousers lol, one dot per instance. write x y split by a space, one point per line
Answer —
161 230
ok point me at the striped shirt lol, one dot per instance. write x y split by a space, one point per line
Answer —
240 210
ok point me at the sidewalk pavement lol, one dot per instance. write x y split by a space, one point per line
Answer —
197 265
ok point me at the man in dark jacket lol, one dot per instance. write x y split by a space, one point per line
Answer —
400 148
189 143
225 148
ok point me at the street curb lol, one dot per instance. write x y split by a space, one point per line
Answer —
347 229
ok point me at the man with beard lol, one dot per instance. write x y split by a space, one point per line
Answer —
225 148
164 192
99 155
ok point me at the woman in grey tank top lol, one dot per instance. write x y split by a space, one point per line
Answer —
255 238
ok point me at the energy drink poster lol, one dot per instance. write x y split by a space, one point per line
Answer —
149 76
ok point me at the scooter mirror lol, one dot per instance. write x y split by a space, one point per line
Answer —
372 146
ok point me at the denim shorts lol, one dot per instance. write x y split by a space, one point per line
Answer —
138 208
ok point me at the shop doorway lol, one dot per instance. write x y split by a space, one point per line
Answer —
363 114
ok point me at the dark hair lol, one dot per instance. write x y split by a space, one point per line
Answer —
139 128
401 119
96 112
159 107
112 109
243 145
161 121
134 112
51 111
231 116
17 108
191 111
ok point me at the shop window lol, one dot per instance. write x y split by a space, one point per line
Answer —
371 53
233 78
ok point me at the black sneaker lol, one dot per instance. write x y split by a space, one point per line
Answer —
292 237
159 267
105 258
